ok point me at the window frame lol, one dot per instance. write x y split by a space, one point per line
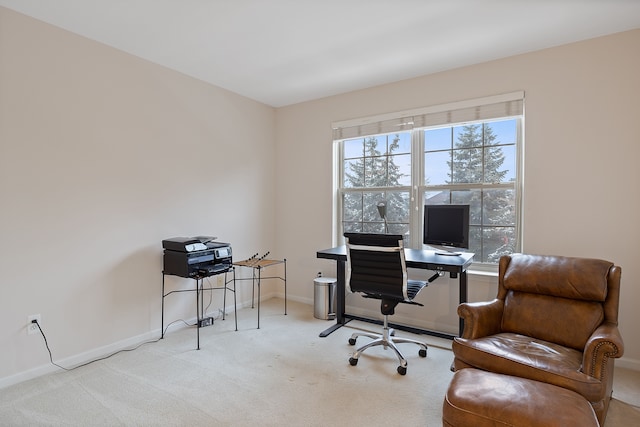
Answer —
418 188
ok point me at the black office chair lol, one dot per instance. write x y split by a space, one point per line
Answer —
376 267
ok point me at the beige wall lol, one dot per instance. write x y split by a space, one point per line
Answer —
580 180
103 155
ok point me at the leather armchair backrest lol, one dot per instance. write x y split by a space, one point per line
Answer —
556 299
574 278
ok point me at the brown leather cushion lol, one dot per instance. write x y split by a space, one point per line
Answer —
481 399
575 278
522 356
559 320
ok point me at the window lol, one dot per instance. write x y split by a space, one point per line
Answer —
376 168
473 162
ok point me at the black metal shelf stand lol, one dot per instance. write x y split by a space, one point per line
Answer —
257 265
199 289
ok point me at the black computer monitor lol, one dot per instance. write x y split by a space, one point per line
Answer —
446 226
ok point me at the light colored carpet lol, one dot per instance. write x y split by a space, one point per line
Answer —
281 374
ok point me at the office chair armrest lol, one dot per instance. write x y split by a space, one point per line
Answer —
605 343
481 318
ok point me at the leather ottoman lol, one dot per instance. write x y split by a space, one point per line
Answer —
478 398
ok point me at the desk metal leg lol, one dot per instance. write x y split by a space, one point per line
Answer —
341 287
340 299
463 298
162 315
331 329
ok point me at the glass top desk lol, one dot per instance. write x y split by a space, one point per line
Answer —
456 266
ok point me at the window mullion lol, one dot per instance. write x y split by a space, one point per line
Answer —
417 178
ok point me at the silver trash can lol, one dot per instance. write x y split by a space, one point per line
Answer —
324 298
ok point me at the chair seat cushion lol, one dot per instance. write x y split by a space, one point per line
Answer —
522 356
481 399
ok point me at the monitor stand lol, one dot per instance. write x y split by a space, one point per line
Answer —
448 253
442 250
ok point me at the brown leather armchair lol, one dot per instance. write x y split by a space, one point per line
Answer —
555 320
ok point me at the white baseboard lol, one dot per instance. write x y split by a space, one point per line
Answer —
107 350
97 353
78 359
302 300
26 375
623 362
633 364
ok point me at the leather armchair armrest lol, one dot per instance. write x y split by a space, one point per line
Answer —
481 318
605 343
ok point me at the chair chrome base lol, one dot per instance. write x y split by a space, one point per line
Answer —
386 340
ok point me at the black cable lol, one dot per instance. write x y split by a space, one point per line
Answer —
175 321
211 289
46 343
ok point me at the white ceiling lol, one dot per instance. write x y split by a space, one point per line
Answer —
282 52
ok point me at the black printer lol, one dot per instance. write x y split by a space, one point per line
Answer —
196 257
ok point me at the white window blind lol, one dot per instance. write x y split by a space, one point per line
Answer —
499 106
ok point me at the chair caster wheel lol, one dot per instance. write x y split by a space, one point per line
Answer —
402 370
422 352
353 361
352 341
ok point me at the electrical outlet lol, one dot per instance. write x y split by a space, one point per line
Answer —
32 328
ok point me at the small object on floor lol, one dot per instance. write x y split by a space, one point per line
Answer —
207 321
